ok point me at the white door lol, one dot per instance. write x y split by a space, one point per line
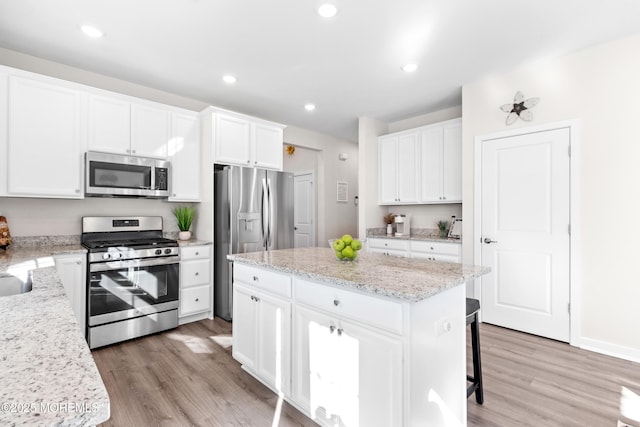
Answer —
525 232
303 211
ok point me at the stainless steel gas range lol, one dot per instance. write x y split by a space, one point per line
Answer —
132 278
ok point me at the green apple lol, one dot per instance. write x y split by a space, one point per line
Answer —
356 245
347 239
348 252
339 254
338 244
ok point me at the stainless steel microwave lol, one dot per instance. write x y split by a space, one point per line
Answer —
119 175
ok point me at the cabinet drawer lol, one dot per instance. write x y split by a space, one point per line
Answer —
276 283
400 245
436 257
436 248
195 300
378 312
195 252
194 273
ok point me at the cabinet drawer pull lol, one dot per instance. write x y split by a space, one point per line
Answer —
336 302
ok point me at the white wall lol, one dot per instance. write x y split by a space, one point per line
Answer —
62 217
601 87
334 218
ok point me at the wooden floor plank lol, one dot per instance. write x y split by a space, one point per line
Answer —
187 377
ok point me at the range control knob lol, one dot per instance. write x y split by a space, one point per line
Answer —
158 251
168 251
106 255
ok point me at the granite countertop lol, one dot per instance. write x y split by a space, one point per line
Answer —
47 372
193 242
407 279
418 237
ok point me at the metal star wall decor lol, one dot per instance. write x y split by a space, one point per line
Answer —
519 108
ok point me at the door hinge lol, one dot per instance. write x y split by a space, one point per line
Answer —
569 151
569 229
569 308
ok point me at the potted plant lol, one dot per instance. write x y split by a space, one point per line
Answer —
184 215
442 228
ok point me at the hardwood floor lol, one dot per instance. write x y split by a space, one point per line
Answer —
186 377
533 381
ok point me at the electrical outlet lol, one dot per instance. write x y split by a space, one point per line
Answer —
443 326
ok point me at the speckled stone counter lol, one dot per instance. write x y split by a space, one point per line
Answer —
193 242
47 373
403 278
420 237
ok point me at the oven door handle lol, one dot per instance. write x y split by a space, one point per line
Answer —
119 265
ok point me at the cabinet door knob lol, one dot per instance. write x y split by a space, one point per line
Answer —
331 329
197 299
197 274
340 330
336 302
197 253
255 278
77 190
248 161
133 151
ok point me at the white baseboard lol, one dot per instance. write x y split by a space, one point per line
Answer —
615 350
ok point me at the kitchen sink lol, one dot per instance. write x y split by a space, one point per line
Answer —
15 284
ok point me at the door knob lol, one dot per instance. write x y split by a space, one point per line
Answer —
487 240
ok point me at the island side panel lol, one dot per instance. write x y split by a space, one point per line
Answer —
437 361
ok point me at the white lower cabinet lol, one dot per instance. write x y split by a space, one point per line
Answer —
262 335
350 358
196 286
389 247
72 270
339 369
436 251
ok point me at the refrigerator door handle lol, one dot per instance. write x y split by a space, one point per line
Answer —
264 212
271 214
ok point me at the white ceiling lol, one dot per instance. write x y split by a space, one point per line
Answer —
285 55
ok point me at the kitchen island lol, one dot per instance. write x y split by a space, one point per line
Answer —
47 373
375 342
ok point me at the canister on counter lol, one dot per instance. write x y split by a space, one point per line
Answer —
5 235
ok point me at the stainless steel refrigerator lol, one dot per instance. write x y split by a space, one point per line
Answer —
253 211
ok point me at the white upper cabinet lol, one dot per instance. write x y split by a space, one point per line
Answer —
421 165
441 163
117 125
266 144
232 142
184 152
398 169
150 130
247 141
109 125
44 139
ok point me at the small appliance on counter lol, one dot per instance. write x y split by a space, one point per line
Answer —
5 236
403 225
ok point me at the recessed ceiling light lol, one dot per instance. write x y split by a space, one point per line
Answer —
229 79
327 10
409 68
309 107
91 31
